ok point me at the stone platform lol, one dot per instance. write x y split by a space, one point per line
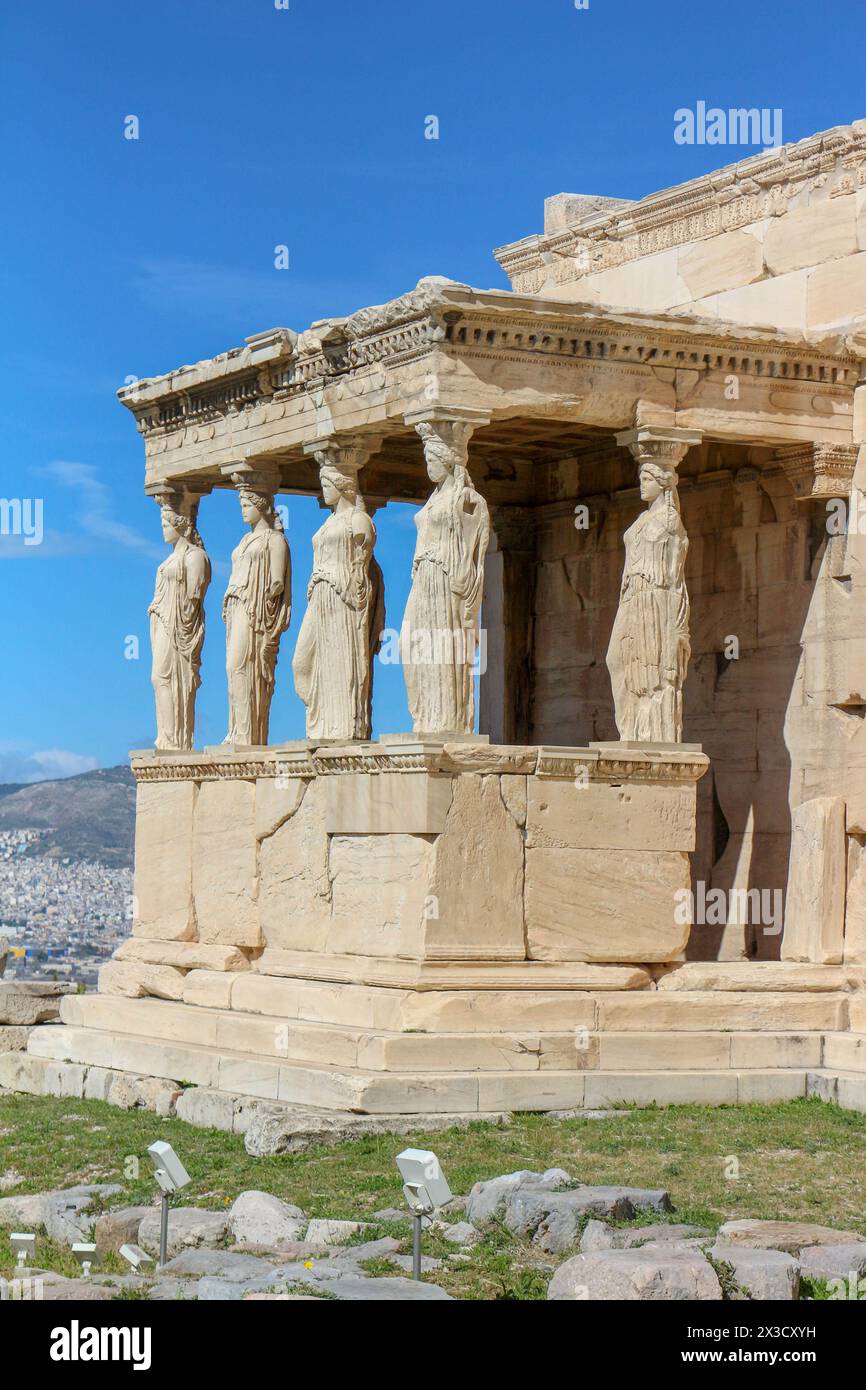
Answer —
418 927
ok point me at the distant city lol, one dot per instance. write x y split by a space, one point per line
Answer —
61 917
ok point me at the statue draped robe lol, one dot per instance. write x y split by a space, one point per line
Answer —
649 647
340 632
258 617
440 628
176 639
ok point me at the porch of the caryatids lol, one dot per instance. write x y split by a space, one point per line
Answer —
345 616
440 630
649 649
257 607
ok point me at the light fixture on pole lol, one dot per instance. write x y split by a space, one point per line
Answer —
85 1253
171 1176
425 1190
136 1257
23 1246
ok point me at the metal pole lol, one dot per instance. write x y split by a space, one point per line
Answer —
163 1231
416 1245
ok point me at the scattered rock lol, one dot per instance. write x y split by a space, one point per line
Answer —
292 1129
66 1215
833 1261
76 1291
282 1251
370 1250
428 1263
790 1236
487 1200
218 1264
635 1275
391 1214
188 1228
22 1213
24 1003
264 1220
116 1228
11 1178
333 1232
598 1235
770 1275
461 1233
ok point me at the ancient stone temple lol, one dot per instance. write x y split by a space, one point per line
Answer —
636 871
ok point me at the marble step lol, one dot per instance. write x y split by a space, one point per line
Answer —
405 1092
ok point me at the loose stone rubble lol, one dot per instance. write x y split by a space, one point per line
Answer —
263 1248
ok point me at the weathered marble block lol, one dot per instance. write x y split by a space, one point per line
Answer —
421 851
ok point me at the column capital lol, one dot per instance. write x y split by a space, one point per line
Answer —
662 444
181 497
259 477
819 470
436 414
347 452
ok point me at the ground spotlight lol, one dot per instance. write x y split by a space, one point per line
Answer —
425 1190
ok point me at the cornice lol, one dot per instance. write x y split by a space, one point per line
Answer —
762 185
463 322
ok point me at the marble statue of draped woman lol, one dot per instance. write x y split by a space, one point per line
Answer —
333 662
177 630
649 648
440 627
257 610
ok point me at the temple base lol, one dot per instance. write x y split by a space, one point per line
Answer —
418 927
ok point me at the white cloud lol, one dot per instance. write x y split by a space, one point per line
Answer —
88 519
17 764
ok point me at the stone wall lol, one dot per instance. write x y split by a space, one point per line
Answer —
778 238
454 852
777 637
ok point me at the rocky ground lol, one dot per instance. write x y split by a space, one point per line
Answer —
586 1242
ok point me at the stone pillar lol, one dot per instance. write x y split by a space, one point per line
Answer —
177 620
439 637
345 616
649 647
507 621
257 607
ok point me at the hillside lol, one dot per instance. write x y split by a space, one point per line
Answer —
90 816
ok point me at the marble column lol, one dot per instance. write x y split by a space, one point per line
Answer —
257 607
510 569
345 615
177 621
439 637
649 648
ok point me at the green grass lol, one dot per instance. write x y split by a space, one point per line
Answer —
801 1161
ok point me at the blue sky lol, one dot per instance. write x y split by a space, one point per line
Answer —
262 126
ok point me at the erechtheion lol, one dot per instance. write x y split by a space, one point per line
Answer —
642 480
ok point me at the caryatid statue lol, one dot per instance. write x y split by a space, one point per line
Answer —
257 609
439 636
342 627
649 650
177 621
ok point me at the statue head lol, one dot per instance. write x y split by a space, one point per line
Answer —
445 449
337 484
656 479
178 526
258 506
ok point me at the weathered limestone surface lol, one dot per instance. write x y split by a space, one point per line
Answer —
476 878
594 905
294 879
224 864
163 837
815 908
